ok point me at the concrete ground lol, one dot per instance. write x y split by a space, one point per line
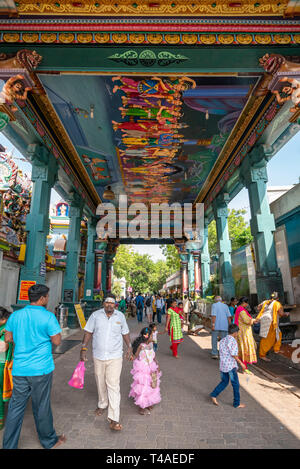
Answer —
185 418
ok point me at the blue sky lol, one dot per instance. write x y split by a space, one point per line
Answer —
283 170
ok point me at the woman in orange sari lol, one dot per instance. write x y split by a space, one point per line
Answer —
246 342
269 313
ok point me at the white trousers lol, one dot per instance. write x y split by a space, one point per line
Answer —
107 374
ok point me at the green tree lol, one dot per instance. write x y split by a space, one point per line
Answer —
172 256
117 288
139 270
238 229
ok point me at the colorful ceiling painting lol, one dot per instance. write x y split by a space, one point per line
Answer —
155 139
170 131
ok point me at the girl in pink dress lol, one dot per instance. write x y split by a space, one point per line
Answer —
145 388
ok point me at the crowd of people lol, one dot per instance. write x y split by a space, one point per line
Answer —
27 336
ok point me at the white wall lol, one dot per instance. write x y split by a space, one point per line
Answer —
286 202
9 279
283 263
54 280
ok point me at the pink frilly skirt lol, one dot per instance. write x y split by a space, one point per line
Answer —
142 392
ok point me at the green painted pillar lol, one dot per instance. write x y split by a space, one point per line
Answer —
44 173
93 269
254 176
220 209
205 262
89 278
70 285
191 272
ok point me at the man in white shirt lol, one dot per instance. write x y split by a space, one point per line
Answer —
109 328
186 308
159 308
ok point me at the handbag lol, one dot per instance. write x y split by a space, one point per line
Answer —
153 374
153 379
77 380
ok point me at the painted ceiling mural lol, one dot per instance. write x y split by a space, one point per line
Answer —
154 138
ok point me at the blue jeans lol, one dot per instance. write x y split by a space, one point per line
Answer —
224 383
214 340
140 313
39 389
155 346
158 312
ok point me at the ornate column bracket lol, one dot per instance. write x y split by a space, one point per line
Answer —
280 73
271 150
23 59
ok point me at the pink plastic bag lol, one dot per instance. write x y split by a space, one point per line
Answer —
77 380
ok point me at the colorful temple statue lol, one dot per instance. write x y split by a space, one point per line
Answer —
15 189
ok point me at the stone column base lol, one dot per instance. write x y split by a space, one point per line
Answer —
72 316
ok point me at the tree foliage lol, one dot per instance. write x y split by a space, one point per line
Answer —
172 256
140 271
238 228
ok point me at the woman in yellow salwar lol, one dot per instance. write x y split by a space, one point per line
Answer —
269 313
245 340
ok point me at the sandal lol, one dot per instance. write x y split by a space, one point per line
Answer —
144 411
99 411
115 426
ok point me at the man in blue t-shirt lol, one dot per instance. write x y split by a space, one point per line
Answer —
33 330
220 320
139 301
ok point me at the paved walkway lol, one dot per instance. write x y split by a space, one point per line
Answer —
185 418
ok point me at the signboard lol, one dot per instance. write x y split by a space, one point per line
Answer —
80 315
24 287
43 269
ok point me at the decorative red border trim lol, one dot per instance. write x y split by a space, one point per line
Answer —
176 28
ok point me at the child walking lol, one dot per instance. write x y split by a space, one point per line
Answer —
145 388
179 310
228 366
153 335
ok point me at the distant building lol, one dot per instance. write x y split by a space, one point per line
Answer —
173 283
